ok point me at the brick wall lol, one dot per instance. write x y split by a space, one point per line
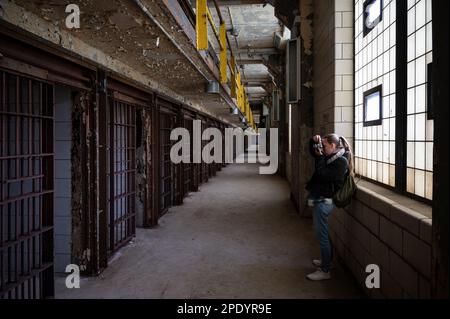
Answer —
343 75
333 67
377 230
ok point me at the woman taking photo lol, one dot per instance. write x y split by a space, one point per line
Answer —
333 160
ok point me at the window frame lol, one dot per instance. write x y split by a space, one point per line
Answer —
367 30
429 95
379 121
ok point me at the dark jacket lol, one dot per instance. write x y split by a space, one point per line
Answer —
327 178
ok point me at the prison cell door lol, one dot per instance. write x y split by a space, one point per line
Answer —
167 169
178 172
193 187
222 129
211 166
26 188
205 166
215 165
121 173
219 164
188 168
198 166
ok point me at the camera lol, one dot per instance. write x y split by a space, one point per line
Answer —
318 146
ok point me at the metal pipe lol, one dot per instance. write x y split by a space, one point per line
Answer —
232 26
213 26
219 13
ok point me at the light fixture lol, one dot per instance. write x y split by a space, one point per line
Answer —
212 87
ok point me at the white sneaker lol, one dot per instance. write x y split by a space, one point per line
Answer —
319 275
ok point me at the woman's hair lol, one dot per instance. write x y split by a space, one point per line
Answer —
341 142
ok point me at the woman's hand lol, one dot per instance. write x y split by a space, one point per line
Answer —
317 138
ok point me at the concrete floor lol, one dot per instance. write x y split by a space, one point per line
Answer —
238 237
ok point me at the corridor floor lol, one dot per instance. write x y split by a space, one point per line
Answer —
238 237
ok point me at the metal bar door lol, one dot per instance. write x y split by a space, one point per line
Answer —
167 170
122 173
205 166
188 167
26 188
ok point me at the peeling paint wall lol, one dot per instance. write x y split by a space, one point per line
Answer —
80 255
141 178
150 152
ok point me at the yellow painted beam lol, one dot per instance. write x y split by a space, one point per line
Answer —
201 26
233 76
241 95
233 64
237 86
223 54
239 91
247 108
211 22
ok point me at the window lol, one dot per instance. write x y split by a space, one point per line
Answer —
373 14
394 126
375 96
373 107
420 126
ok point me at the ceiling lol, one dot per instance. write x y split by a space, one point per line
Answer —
161 51
157 49
255 24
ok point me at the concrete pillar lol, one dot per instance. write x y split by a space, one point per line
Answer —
303 121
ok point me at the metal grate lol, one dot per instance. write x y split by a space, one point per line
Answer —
122 174
26 188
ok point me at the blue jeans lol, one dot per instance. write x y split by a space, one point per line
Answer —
321 212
